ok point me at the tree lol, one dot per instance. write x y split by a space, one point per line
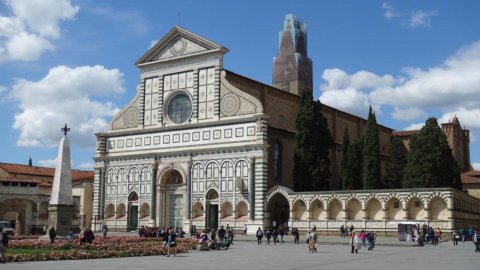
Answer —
371 154
354 166
430 162
395 164
311 168
343 163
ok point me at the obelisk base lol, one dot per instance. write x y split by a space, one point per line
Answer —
60 217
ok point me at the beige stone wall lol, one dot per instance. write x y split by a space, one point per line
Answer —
84 191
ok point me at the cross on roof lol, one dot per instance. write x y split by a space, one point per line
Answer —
65 130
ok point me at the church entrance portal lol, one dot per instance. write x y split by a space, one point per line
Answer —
172 190
133 210
279 210
212 209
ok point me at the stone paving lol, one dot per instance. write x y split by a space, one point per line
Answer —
248 255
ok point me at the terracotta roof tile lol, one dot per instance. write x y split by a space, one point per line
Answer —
77 175
471 177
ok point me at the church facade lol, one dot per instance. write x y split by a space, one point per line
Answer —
201 145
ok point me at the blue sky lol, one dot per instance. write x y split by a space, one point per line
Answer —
68 61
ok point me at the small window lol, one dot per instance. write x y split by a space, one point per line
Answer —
396 205
417 204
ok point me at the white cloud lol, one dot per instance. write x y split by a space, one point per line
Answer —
408 114
349 99
88 166
28 32
65 95
51 163
389 11
421 18
476 166
452 84
416 126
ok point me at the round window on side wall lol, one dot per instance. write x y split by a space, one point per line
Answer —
179 108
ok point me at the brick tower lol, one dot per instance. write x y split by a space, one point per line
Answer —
292 69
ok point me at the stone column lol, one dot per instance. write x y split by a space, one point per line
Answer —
251 189
153 196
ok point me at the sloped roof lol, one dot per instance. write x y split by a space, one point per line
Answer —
27 180
471 177
405 133
26 170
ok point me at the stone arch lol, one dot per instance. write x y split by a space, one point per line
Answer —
277 190
241 210
121 211
435 195
437 209
197 210
299 210
317 210
198 171
226 210
145 210
133 196
415 207
354 209
374 209
163 174
109 211
279 208
335 209
351 197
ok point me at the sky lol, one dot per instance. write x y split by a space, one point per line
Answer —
72 61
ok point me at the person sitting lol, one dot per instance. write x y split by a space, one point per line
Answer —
226 242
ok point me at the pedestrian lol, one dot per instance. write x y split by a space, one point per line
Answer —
354 242
475 237
89 236
221 232
244 233
455 238
296 236
70 235
230 234
281 233
171 243
351 229
362 237
3 246
275 235
461 231
259 236
268 235
370 238
194 232
470 232
52 234
104 231
342 231
312 240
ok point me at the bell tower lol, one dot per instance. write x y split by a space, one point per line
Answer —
292 68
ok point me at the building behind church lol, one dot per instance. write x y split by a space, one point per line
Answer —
201 145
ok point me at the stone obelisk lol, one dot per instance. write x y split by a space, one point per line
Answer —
60 207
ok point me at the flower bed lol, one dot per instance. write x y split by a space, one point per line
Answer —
37 250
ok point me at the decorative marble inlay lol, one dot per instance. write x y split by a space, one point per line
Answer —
230 104
131 117
178 46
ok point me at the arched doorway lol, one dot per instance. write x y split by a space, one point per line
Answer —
133 210
279 210
172 196
211 198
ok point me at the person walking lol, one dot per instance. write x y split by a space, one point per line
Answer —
461 231
221 232
268 235
476 241
3 246
354 242
312 240
104 231
259 236
342 231
171 243
281 233
470 232
275 235
52 234
296 236
455 238
244 232
362 237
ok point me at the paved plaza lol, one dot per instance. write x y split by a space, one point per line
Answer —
248 255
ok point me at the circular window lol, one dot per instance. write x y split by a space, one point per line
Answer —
179 109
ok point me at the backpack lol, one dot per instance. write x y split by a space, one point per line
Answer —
259 233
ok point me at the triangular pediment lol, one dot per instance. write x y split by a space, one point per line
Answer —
179 43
